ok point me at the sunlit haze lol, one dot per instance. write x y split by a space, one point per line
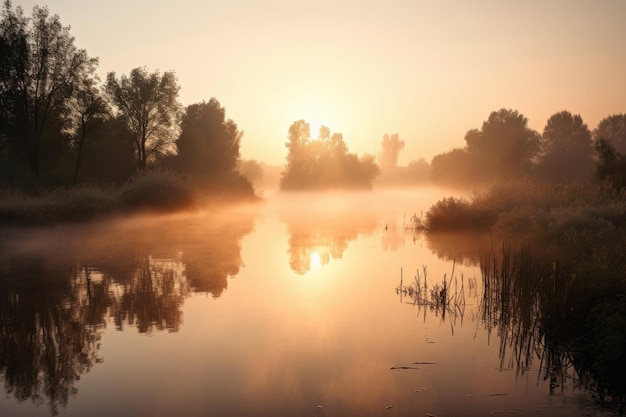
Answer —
428 71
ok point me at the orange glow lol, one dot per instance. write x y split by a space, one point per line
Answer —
315 260
430 71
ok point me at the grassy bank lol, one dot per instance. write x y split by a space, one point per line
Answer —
147 191
560 290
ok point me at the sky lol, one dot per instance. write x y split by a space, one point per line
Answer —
427 70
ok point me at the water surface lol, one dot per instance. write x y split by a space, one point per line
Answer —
281 309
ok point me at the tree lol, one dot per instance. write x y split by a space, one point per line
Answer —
40 69
209 144
611 164
418 171
613 130
391 148
88 107
504 146
566 149
148 102
456 167
108 156
323 162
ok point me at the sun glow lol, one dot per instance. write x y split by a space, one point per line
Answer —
316 260
314 127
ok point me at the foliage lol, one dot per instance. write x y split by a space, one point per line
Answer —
324 162
613 130
503 148
88 107
148 102
455 168
55 205
611 164
566 149
209 143
157 191
556 212
391 148
40 72
457 214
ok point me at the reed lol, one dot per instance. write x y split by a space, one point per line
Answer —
547 311
445 298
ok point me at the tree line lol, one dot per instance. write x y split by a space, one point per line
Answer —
59 124
506 148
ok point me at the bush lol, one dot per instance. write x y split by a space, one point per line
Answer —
457 214
157 191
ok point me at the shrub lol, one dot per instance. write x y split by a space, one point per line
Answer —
457 214
157 191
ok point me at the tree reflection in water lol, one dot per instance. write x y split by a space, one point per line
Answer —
321 235
57 294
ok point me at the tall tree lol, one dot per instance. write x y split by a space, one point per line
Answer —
40 68
566 148
613 130
148 102
391 148
209 144
504 146
88 107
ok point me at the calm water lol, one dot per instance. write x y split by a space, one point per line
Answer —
289 308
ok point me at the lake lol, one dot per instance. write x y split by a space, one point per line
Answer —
298 306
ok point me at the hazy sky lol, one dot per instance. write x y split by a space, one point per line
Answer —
428 70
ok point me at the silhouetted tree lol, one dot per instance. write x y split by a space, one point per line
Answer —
611 164
418 171
566 149
208 146
455 168
504 146
148 102
88 107
323 162
108 155
251 169
40 69
391 148
613 130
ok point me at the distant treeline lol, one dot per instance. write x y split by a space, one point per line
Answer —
505 149
60 125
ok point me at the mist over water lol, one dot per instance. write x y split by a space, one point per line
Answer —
288 307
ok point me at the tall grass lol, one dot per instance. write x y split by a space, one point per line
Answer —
552 312
524 206
150 190
445 298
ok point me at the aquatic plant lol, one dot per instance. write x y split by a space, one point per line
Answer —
447 297
557 313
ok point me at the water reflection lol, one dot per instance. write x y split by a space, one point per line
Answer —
318 234
539 313
59 287
460 247
49 331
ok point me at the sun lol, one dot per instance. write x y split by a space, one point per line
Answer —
314 127
315 260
